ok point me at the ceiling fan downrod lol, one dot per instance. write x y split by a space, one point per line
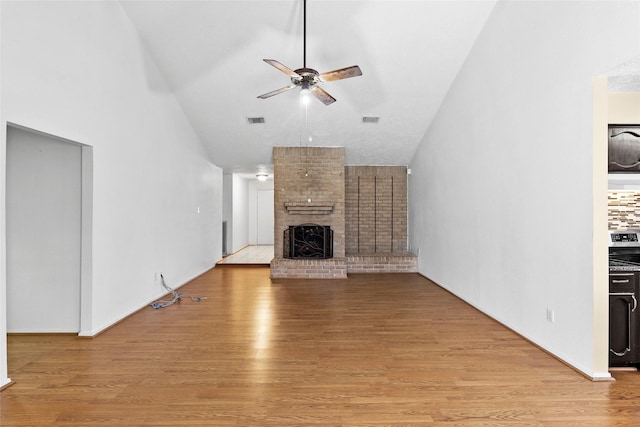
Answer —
304 34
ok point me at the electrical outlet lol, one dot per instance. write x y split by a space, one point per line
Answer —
551 315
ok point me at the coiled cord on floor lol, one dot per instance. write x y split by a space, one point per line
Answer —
176 296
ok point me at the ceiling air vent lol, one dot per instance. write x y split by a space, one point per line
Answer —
255 120
370 119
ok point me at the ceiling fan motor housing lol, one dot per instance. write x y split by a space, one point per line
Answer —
306 77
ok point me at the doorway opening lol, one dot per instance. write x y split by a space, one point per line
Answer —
49 233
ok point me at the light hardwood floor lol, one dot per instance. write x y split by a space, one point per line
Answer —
370 350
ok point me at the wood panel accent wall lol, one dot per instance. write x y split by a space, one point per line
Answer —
376 209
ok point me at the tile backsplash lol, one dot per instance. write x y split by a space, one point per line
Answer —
624 210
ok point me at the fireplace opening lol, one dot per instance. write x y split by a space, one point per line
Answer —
308 241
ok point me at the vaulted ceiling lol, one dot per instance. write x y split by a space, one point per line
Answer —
211 54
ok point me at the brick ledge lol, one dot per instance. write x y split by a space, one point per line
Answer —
338 268
310 268
382 262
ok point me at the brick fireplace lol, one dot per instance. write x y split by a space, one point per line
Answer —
309 189
364 207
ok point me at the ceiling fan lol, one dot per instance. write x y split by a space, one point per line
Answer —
308 78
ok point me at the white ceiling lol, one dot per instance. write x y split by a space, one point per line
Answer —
625 77
211 53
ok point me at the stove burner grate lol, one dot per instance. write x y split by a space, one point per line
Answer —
617 262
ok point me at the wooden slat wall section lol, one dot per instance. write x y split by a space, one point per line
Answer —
376 209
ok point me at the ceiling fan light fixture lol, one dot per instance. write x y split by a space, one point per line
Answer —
308 78
305 95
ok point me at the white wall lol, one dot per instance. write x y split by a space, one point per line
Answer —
227 208
501 185
624 107
4 375
256 210
240 196
44 224
79 71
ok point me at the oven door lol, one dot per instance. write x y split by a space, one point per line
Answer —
622 329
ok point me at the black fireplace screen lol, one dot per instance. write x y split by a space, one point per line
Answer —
308 241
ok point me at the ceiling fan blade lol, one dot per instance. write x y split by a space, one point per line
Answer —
288 71
342 73
322 95
277 91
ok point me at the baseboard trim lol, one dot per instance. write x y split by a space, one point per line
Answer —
598 377
100 331
7 384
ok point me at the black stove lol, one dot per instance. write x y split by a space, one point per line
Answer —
624 293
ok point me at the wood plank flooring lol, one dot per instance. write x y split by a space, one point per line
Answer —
370 350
